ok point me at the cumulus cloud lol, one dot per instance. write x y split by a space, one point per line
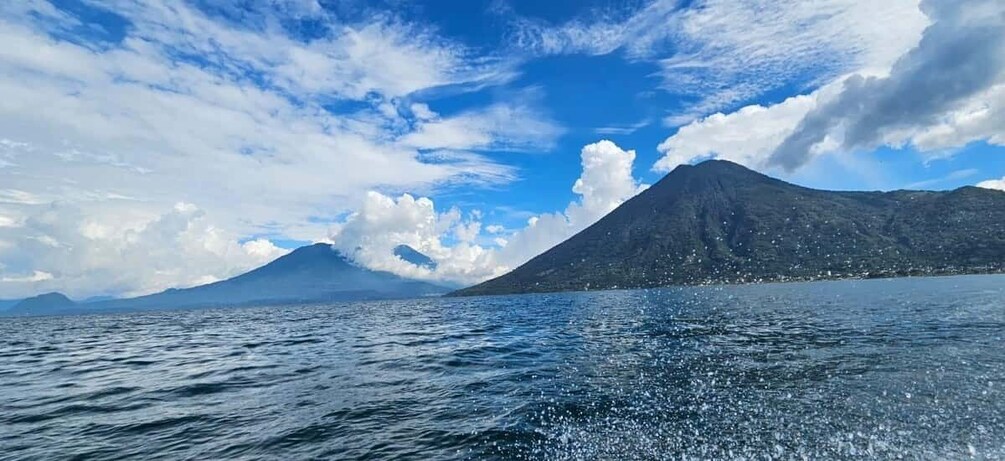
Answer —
262 129
606 182
747 136
921 99
998 184
381 223
451 239
982 117
83 255
961 56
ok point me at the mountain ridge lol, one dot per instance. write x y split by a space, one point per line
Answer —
719 222
309 274
43 303
312 273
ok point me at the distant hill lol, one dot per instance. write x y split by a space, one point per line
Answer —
312 273
411 255
718 222
315 273
8 303
48 303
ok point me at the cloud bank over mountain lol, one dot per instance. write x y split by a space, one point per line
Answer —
80 253
451 238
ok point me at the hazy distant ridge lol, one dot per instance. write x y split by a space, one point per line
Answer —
315 273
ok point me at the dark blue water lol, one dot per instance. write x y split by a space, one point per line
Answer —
911 368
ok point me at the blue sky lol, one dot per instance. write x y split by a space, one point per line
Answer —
149 144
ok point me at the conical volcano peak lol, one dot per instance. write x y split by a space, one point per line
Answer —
48 302
714 169
719 222
709 177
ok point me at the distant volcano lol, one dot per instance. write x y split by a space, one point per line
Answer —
718 222
310 274
43 304
411 255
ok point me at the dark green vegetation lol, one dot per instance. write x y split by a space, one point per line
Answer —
310 274
718 222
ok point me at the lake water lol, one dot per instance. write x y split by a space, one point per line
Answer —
911 368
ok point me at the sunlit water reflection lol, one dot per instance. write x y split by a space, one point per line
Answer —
911 368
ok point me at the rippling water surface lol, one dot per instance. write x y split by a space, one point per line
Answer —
911 368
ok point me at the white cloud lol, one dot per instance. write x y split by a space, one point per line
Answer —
960 57
606 182
998 184
747 136
232 117
498 127
980 117
34 277
262 249
229 129
83 254
623 129
734 51
468 232
382 223
422 111
725 52
851 114
596 36
393 59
